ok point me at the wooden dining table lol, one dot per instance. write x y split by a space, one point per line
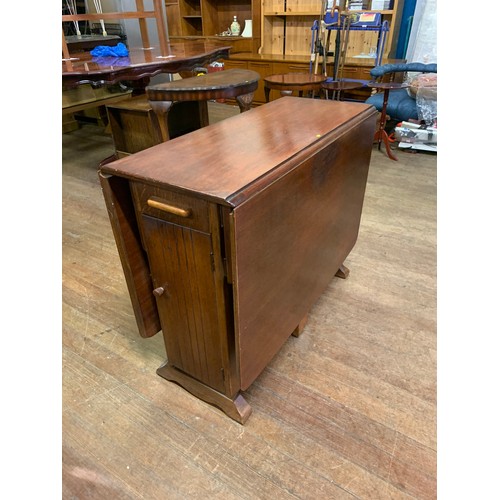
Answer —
140 65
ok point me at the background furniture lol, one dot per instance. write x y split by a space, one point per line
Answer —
296 17
140 65
227 236
381 134
140 14
86 99
290 82
205 19
134 125
271 19
237 83
143 62
267 65
400 105
182 108
338 87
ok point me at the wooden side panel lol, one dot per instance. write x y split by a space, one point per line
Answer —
182 264
173 19
273 38
132 256
290 239
299 35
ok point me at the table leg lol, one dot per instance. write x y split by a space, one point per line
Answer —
162 108
343 272
300 327
245 101
267 90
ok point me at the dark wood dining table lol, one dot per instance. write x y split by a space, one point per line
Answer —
140 65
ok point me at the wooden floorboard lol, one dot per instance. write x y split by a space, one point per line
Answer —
347 410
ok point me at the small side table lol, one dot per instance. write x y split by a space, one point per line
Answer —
288 82
339 86
381 134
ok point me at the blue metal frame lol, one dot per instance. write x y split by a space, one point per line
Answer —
332 24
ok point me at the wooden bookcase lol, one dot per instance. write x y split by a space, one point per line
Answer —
286 28
188 19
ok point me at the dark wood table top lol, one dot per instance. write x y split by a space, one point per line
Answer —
183 56
229 175
220 84
294 79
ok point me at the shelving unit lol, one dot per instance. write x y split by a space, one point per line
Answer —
286 28
208 18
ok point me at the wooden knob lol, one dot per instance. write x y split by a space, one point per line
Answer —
158 291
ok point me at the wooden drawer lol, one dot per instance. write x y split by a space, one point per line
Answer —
350 72
171 206
364 73
284 67
235 64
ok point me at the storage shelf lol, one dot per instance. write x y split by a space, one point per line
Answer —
205 19
279 14
316 14
287 28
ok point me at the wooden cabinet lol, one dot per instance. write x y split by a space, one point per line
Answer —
358 69
228 235
208 18
287 28
264 68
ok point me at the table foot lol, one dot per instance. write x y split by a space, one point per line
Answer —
300 327
245 101
381 136
343 272
237 409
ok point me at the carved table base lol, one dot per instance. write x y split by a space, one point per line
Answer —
238 409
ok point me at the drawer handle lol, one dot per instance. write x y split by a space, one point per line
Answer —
171 209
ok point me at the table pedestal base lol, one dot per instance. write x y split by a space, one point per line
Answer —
381 136
238 409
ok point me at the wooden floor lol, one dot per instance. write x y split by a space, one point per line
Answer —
347 410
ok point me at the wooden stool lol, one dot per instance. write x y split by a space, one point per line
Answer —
288 82
238 83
